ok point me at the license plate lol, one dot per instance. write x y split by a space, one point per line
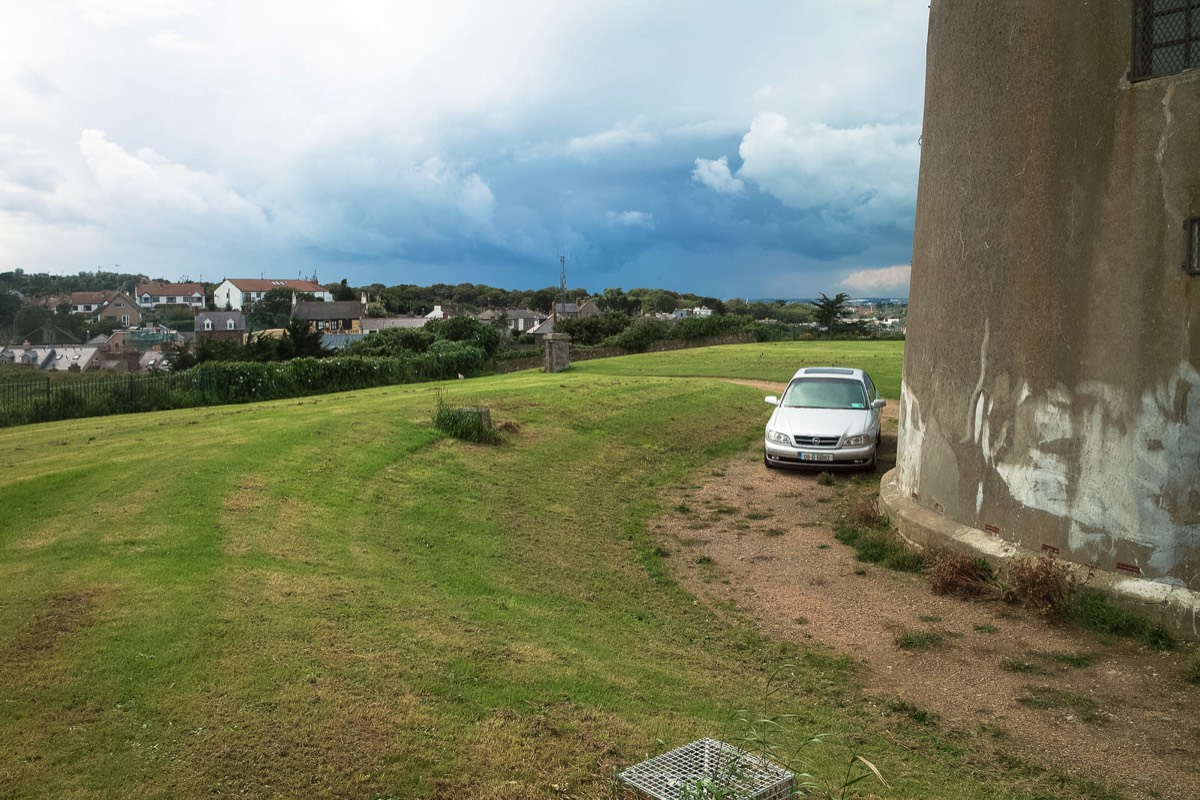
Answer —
815 456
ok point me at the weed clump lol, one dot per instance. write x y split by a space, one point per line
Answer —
960 575
1041 583
1191 671
919 640
874 541
469 424
825 479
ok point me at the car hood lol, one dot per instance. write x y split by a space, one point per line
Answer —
821 421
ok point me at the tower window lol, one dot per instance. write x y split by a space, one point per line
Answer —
1166 37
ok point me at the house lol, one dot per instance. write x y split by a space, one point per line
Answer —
699 312
234 294
516 320
153 295
106 305
221 326
582 307
337 316
53 358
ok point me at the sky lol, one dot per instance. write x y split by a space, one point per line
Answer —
750 149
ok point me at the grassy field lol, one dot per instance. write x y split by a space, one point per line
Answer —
776 361
326 598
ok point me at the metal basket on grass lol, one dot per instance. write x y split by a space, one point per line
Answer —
704 770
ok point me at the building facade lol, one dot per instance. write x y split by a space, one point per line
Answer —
235 294
153 295
1051 393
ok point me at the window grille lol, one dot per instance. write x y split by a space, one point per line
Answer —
1166 37
1192 263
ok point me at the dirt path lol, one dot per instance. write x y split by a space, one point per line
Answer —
1033 696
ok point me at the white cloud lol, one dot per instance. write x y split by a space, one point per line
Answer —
613 140
867 173
147 179
632 219
715 174
113 13
172 42
890 281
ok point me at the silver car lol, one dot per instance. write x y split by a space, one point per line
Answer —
827 417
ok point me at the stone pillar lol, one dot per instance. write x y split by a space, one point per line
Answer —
558 356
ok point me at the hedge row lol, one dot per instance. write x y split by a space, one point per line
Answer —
218 383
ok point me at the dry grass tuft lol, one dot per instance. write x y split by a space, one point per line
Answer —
864 513
959 575
1042 583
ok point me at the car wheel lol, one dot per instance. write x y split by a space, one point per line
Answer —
767 462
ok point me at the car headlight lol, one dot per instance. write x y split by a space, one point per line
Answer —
857 441
778 437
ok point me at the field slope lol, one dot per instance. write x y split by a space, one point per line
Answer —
326 598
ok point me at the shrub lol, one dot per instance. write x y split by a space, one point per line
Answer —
640 335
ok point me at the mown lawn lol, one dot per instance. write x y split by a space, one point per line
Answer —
776 361
326 598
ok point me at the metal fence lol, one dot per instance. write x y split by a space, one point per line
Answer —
1166 37
39 399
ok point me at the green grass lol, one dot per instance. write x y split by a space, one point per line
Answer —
879 544
775 361
1093 610
328 597
919 640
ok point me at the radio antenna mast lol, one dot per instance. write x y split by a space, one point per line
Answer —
562 279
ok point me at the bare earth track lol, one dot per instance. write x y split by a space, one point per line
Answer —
1031 695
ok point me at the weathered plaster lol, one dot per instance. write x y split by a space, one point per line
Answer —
1051 397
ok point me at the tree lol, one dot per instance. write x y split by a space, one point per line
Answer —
828 311
301 340
272 311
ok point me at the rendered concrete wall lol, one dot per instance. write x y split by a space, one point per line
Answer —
1051 395
558 354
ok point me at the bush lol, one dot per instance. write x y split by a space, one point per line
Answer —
392 342
707 327
594 330
640 335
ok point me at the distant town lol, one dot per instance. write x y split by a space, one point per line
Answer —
130 323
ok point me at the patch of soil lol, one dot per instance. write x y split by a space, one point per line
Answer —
997 676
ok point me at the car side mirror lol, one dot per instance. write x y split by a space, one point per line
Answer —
880 403
772 399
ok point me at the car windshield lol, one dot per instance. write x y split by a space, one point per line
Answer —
824 393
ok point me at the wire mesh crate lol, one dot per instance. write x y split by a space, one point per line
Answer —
706 768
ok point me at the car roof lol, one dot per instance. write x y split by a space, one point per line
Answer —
845 373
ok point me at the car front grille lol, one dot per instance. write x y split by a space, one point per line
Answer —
816 441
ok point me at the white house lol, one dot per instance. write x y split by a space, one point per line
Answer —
236 293
152 295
